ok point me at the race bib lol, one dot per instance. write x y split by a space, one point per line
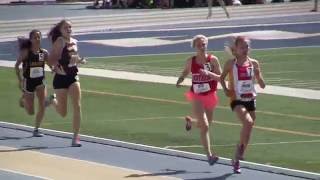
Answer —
207 66
245 87
41 57
73 60
36 72
201 88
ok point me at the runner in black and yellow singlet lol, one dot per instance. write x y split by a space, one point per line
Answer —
33 59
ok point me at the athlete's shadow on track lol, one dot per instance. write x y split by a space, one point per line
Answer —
223 177
169 172
13 138
25 148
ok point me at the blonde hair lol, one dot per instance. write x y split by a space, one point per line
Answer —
196 37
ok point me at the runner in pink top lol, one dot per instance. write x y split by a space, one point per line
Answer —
205 70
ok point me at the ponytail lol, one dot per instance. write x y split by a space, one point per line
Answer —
55 32
24 43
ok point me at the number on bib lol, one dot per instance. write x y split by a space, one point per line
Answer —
41 57
36 72
245 87
201 88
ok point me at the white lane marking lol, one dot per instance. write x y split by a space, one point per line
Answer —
251 144
158 41
25 174
192 52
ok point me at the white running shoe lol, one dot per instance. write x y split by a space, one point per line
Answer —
49 100
236 2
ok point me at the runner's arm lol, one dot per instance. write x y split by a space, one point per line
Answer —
223 76
20 59
56 52
46 58
184 73
216 72
258 74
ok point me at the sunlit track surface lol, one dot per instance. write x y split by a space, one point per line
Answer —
148 162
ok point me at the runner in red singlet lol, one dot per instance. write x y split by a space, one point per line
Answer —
205 70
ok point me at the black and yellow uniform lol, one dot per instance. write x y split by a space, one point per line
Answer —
33 70
64 81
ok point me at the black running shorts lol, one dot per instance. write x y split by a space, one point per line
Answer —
64 81
249 105
30 84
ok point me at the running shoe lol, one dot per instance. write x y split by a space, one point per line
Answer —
236 166
212 159
236 3
76 142
188 123
37 133
49 100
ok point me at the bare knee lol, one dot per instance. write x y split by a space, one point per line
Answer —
204 128
248 123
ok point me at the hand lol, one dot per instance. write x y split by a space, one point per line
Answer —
180 80
204 72
227 92
82 61
57 69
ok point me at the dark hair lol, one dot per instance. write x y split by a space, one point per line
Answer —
25 43
55 32
34 31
